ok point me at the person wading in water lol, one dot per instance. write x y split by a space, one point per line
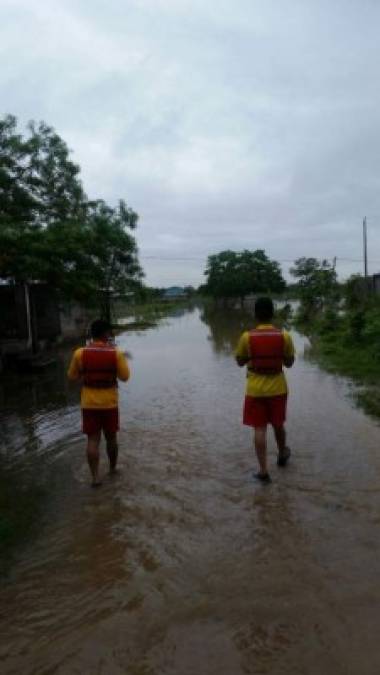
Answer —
265 350
98 366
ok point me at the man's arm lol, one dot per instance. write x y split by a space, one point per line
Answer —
74 371
123 372
289 352
241 354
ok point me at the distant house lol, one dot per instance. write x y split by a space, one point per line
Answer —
174 293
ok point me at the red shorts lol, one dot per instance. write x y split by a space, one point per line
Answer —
101 419
263 410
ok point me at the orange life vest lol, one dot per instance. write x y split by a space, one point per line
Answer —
99 366
266 350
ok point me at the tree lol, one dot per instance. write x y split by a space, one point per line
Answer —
355 291
189 291
236 274
50 231
17 201
39 184
317 284
39 187
113 251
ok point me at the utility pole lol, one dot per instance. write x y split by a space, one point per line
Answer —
365 258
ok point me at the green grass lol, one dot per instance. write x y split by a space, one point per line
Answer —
369 400
146 315
337 349
354 361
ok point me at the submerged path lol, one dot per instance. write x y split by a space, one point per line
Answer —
182 565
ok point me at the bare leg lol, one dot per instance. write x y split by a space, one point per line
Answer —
280 435
112 449
283 450
261 448
93 442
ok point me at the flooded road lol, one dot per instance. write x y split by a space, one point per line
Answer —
182 565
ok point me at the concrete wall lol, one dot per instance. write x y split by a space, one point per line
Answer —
75 321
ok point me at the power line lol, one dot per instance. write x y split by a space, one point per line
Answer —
158 257
284 260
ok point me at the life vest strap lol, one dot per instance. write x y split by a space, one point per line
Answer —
100 384
264 371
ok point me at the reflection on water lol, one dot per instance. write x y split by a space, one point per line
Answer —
181 564
36 410
39 419
225 326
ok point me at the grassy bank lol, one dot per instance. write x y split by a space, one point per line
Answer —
146 315
348 343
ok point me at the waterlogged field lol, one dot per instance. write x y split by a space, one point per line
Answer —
182 564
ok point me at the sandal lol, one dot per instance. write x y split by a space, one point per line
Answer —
262 477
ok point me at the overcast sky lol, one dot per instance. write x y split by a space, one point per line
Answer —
223 123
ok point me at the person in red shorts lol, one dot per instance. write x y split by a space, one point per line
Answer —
265 350
99 366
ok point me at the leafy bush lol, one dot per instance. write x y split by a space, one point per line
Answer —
356 322
371 327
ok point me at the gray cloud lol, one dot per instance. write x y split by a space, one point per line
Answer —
224 124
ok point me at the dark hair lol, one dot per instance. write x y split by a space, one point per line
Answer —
264 309
99 328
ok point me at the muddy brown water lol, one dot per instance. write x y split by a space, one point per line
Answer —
183 565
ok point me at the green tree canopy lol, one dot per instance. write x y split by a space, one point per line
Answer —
39 184
236 274
49 230
317 282
355 291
